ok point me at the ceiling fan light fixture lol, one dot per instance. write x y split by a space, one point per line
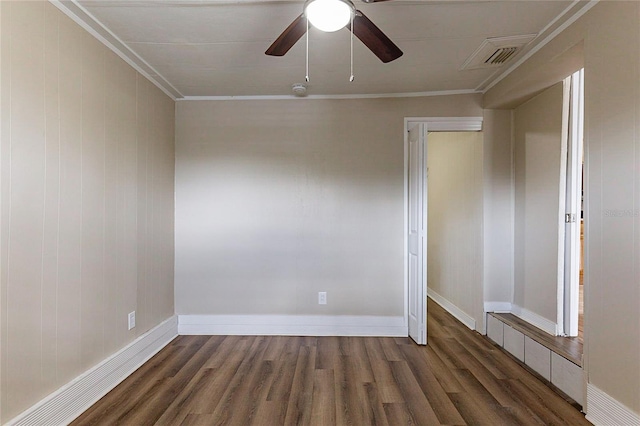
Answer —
329 15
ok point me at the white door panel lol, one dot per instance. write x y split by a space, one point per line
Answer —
416 236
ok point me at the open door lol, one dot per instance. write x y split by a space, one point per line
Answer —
417 250
573 204
416 189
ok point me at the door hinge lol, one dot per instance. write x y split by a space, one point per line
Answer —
569 218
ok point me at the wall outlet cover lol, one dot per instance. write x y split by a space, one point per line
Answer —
132 319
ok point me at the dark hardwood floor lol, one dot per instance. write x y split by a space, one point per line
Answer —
458 378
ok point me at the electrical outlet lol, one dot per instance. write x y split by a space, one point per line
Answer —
322 298
132 319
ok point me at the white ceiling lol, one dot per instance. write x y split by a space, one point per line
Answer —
216 47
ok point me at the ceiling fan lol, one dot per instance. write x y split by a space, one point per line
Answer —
344 15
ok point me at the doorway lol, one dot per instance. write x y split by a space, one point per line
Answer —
573 291
416 130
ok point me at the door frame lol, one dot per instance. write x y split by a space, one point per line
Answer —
571 180
431 124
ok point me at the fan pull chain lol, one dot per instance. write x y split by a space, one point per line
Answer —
352 77
307 76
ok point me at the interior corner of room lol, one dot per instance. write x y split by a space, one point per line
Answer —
130 215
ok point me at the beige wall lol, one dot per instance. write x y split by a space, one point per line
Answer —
537 164
455 219
498 209
278 200
609 36
86 204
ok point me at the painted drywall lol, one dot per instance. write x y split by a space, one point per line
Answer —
278 200
537 163
498 209
455 219
86 232
610 36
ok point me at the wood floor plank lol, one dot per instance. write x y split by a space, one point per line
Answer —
282 382
236 403
445 376
299 408
351 407
361 360
204 398
377 414
535 390
159 399
388 387
229 346
197 420
535 405
270 413
443 348
323 407
398 414
437 397
275 348
327 351
374 348
391 349
481 355
478 406
416 401
459 378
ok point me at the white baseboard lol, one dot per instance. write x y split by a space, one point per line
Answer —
460 315
603 410
498 307
64 405
292 325
535 319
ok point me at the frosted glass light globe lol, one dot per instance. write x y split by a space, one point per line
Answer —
328 15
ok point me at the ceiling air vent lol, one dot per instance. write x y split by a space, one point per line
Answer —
500 56
494 52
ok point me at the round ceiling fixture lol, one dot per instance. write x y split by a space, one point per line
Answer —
299 89
329 15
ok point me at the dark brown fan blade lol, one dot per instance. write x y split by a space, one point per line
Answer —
372 1
288 38
374 38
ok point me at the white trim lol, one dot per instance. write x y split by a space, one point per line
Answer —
405 228
292 325
89 23
447 124
562 206
448 306
543 43
180 3
335 96
71 400
498 307
603 409
535 319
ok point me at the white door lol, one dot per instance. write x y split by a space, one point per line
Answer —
573 205
417 309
